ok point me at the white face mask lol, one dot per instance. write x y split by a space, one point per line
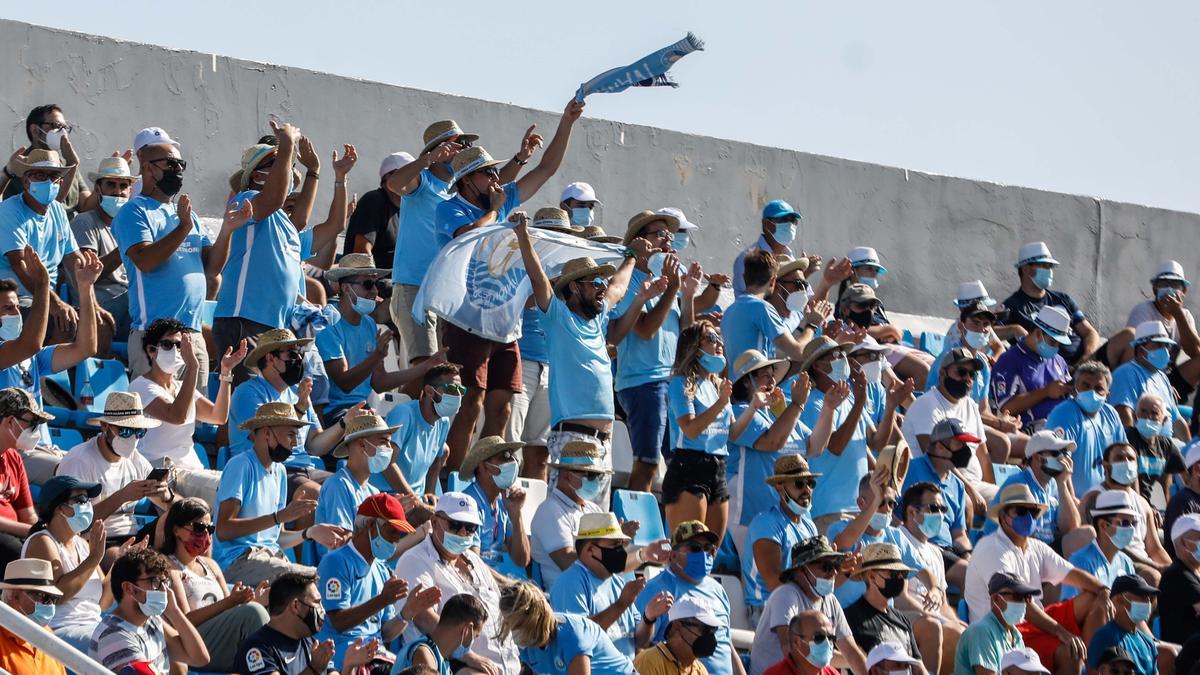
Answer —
10 326
797 301
873 370
169 360
54 139
124 446
28 439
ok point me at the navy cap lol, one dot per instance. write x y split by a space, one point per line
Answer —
1115 654
54 489
1003 582
1132 583
778 208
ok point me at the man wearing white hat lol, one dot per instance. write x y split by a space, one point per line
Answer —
972 294
1179 600
579 200
375 222
1169 287
1031 377
1035 268
28 587
1120 466
891 658
1187 499
1153 353
1114 517
691 625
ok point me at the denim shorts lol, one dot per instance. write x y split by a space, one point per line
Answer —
645 407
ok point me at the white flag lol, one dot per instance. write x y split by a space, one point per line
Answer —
478 281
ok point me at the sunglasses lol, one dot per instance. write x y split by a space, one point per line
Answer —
933 508
288 354
662 234
1123 522
1057 454
201 528
827 567
819 637
54 126
171 163
459 526
889 504
713 337
701 548
599 283
452 388
369 284
125 432
40 597
170 344
795 283
805 484
1023 511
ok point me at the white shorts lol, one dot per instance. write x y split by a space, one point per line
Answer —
529 422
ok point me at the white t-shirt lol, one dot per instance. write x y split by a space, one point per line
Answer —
85 462
1146 311
785 602
83 609
931 408
1036 565
931 559
553 528
167 440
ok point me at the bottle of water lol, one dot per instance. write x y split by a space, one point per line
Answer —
87 397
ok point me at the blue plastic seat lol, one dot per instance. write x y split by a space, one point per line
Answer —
202 454
933 342
1004 471
222 457
121 349
642 507
104 376
65 439
455 484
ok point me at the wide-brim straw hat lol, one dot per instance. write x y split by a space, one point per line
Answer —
483 450
600 526
581 456
354 265
363 425
273 340
789 468
1017 494
555 219
30 574
112 168
597 234
275 414
251 158
579 268
124 409
467 162
787 266
818 347
41 160
880 556
751 360
644 218
442 131
894 460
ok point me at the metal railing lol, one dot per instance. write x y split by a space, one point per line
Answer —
75 660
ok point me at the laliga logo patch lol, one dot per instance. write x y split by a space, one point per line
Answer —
493 273
254 659
333 590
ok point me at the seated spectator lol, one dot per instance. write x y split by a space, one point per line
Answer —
807 584
424 423
871 525
1021 661
551 642
491 468
224 616
1158 457
1129 628
869 359
767 549
367 449
20 419
1114 517
872 618
1035 268
552 532
286 645
1187 499
595 585
252 504
859 306
444 560
1053 631
358 590
1030 378
1090 421
1169 288
1047 474
1179 602
887 658
111 458
93 231
28 587
47 128
691 635
693 551
970 296
993 634
1145 374
810 646
792 295
1120 474
148 623
1116 661
170 351
460 622
751 322
924 509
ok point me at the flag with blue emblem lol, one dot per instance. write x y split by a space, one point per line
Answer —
649 71
478 282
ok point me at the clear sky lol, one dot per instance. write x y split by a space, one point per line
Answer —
1091 97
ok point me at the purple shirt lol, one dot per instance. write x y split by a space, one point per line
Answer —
1019 371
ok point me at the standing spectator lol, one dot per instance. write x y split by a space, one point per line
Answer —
147 623
557 643
949 449
810 646
580 477
28 587
47 128
1187 499
1179 602
1158 458
752 323
1146 374
20 417
691 635
423 425
579 200
1114 516
491 470
779 222
1090 421
367 450
460 622
872 618
1035 269
93 230
1129 628
994 633
374 224
1030 378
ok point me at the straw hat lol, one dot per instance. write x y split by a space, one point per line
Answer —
554 218
444 130
124 409
597 234
790 467
894 460
30 574
644 218
270 341
880 556
751 360
112 168
355 265
41 160
251 158
579 268
483 450
363 425
1017 494
786 268
275 414
474 158
600 526
581 456
818 347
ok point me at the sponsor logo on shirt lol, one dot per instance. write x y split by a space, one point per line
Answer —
254 659
333 589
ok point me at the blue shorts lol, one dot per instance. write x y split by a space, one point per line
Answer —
646 417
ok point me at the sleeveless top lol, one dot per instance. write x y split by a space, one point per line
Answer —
83 610
404 658
202 589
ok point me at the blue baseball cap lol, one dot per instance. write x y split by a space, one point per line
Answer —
54 489
778 208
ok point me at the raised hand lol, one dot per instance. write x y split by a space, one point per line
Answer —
653 287
97 536
342 166
188 351
394 589
659 605
322 654
630 528
303 392
529 144
690 285
573 111
36 269
632 589
818 311
297 508
184 210
515 499
329 536
496 197
801 388
520 222
671 267
237 215
642 248
658 552
837 271
262 593
444 152
761 398
899 392
357 410
358 653
421 599
231 358
837 393
285 133
726 390
88 267
308 155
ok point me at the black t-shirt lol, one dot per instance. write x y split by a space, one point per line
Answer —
375 218
268 651
1156 457
1178 597
1022 309
1188 661
1182 503
870 627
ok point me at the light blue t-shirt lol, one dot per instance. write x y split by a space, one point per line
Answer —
1091 559
839 473
347 580
456 212
709 592
1140 646
581 380
1044 528
1092 434
752 466
1131 381
416 237
50 236
262 277
851 590
954 493
532 342
496 528
772 525
340 497
175 289
261 491
984 643
578 591
405 655
28 375
420 445
577 635
640 361
244 403
344 340
713 439
750 323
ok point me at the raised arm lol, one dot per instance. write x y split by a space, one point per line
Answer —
308 191
530 183
543 291
275 190
335 222
87 270
529 144
33 329
650 288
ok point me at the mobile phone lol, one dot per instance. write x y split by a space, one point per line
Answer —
158 475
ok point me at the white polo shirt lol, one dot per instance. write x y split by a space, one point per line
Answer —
554 526
931 408
422 565
1035 565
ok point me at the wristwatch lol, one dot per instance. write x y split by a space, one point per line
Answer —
519 162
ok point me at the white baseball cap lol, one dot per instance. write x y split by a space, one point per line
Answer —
1035 252
1189 522
676 213
1152 331
888 651
688 607
971 292
1170 270
1047 439
1023 658
580 192
1191 453
152 136
394 161
459 506
1112 502
1055 322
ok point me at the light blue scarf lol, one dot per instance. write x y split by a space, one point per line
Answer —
650 71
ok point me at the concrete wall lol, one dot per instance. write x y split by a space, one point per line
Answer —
932 231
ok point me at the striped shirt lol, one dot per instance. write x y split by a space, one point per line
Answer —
116 643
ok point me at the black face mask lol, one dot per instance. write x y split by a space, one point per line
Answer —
293 372
892 587
613 559
315 619
279 452
705 645
861 319
171 182
961 457
956 388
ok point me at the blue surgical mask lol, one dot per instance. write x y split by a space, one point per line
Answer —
10 326
456 544
839 370
931 524
820 654
381 548
1014 613
1123 537
155 603
1043 278
507 475
879 521
44 191
42 613
1047 349
379 461
82 519
873 282
785 233
713 363
1089 401
363 306
656 262
1160 358
1024 524
590 489
975 339
796 508
581 216
110 205
822 586
448 406
460 652
698 565
1124 473
1148 428
1054 464
681 241
1139 611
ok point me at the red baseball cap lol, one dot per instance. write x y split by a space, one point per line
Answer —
386 506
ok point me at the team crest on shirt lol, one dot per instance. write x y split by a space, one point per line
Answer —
333 589
495 270
254 659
